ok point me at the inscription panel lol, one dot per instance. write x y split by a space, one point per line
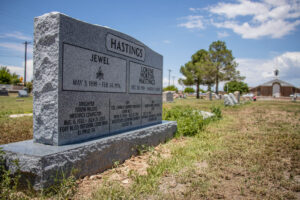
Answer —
85 117
151 109
125 113
144 79
87 70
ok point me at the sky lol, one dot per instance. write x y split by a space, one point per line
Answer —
263 35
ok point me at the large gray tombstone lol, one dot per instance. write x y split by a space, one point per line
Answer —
90 82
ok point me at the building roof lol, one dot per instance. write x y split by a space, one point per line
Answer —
276 80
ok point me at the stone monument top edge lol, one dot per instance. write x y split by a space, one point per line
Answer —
100 26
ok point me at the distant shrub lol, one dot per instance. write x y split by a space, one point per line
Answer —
29 86
189 90
171 88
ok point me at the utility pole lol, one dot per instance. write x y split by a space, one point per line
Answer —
169 76
173 79
25 63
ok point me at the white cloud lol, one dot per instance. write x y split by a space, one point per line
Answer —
17 47
193 22
248 31
265 17
252 19
19 70
29 67
222 34
166 82
258 71
195 9
167 41
16 35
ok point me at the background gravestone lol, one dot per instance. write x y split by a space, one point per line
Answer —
217 96
237 95
168 96
228 101
234 100
3 92
22 93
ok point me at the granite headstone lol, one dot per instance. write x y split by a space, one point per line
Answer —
91 81
97 96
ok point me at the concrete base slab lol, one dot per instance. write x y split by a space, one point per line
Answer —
41 164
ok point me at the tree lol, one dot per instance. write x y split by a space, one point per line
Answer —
189 90
224 64
171 88
5 76
29 86
195 71
233 86
15 79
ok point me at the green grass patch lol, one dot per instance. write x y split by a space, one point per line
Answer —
15 105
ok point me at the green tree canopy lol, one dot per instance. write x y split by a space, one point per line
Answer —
224 64
5 76
8 78
171 88
197 71
233 86
189 90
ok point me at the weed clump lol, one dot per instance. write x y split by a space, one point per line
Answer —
64 187
217 111
8 183
190 121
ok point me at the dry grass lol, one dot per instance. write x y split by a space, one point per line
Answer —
252 153
15 129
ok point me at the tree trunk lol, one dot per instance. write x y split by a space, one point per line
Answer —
209 87
197 90
217 82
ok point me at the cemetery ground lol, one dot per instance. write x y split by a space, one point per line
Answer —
252 152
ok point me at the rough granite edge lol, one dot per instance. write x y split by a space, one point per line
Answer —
88 159
46 75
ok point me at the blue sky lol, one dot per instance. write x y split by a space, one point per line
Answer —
263 35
